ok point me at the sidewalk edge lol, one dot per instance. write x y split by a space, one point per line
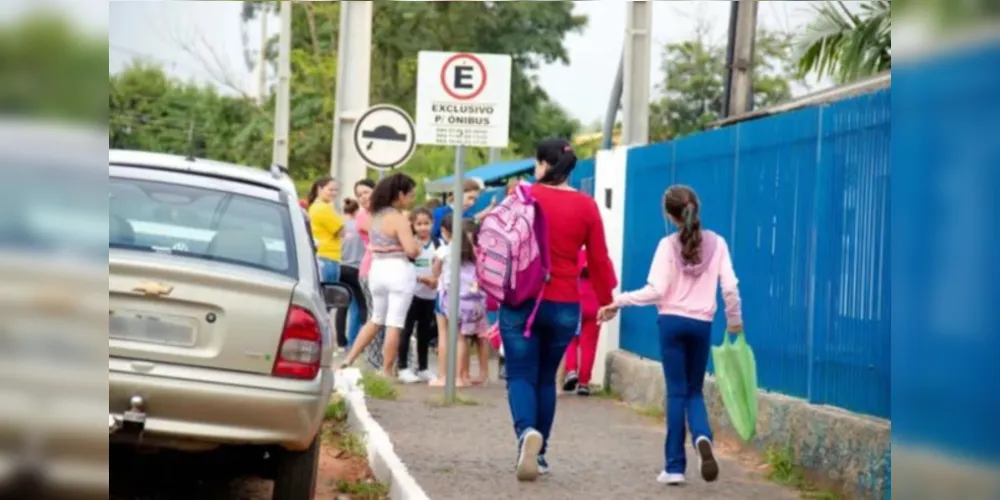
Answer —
382 457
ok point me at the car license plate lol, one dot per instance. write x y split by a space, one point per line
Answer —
150 328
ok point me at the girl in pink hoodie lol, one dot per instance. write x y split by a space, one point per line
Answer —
688 268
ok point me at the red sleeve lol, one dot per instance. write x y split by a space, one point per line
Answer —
602 272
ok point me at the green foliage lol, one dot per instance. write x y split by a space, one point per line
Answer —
692 90
845 45
150 111
49 69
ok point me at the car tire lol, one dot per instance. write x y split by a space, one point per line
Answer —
295 473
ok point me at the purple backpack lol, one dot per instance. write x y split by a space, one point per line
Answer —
512 261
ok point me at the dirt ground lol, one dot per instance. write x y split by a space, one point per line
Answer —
162 476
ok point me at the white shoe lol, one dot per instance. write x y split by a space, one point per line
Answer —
670 479
707 463
527 458
408 377
425 375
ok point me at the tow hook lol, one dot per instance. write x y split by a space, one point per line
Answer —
133 420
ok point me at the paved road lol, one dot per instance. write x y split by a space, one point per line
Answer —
600 449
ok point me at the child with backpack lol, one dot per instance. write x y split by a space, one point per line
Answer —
688 268
421 316
471 314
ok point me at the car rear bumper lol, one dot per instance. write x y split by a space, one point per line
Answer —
192 412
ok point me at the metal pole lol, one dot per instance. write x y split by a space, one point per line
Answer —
455 273
354 56
281 102
635 81
608 133
741 98
494 155
262 60
727 98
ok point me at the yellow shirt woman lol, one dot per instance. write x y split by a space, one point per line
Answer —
327 225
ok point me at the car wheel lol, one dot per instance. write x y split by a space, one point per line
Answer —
295 473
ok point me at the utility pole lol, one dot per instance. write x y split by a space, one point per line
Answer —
262 61
354 59
741 70
281 102
638 47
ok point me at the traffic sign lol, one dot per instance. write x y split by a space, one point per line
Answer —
384 137
463 99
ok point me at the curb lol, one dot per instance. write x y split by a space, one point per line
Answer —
382 457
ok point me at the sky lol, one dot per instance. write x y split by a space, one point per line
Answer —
189 37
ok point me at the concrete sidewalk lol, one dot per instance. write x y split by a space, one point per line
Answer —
599 449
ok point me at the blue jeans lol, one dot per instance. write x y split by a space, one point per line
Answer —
684 346
532 362
329 270
353 322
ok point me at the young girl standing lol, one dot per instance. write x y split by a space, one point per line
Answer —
582 349
471 314
688 268
421 317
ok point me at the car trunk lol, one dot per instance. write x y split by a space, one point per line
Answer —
187 311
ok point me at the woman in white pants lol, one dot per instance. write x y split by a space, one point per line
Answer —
392 277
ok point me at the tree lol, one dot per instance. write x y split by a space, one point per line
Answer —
50 69
149 111
531 32
848 45
692 89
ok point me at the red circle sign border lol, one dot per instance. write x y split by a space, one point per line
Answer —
444 79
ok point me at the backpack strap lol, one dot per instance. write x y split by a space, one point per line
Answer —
542 237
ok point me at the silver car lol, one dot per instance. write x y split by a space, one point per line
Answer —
218 330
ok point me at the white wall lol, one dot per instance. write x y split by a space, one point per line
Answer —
610 173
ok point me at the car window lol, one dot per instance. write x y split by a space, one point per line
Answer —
200 223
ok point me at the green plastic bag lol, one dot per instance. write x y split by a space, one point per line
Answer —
736 378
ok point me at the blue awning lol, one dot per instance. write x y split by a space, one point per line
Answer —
489 174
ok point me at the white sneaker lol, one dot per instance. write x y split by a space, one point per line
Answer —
425 375
670 479
408 377
707 463
527 457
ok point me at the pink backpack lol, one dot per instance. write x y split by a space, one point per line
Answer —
512 262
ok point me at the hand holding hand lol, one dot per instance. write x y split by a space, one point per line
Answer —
607 313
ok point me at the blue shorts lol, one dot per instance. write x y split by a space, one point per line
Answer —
437 306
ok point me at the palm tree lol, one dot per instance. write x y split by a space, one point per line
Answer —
848 45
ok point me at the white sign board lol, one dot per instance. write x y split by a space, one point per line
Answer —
463 99
384 137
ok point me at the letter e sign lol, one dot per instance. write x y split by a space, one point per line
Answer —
463 76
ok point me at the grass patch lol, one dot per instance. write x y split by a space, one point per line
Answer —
607 393
654 412
353 445
336 410
364 490
783 469
378 387
439 402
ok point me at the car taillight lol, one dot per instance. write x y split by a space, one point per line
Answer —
301 346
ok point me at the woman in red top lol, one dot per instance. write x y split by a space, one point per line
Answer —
532 362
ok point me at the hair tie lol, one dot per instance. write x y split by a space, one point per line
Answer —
567 149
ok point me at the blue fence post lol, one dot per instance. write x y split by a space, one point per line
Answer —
816 313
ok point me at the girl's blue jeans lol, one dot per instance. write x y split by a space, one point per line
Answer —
532 362
684 347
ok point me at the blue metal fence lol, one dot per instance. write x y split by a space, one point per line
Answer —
803 201
582 177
